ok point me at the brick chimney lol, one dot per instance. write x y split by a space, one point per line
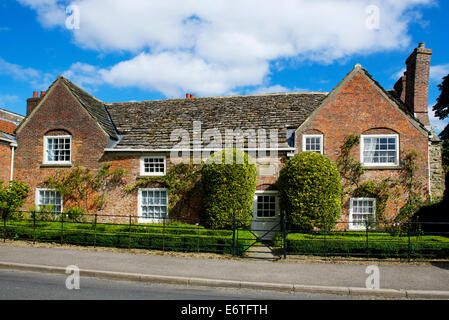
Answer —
32 102
417 83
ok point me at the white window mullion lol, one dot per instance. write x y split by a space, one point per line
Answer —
153 205
360 211
379 150
57 150
153 165
312 142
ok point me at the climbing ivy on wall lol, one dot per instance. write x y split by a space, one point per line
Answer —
351 171
183 183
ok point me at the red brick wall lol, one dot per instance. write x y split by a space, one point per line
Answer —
361 109
59 113
5 161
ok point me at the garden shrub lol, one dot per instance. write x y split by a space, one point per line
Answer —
310 191
12 197
228 186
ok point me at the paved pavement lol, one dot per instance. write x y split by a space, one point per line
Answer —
401 280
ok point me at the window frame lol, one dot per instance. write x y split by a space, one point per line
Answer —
37 197
379 164
142 165
274 193
291 134
304 140
352 226
46 138
140 217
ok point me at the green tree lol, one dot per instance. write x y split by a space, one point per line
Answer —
310 191
12 197
441 109
228 182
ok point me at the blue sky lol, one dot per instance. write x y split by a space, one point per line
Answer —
144 50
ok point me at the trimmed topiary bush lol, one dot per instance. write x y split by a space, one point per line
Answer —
228 180
310 191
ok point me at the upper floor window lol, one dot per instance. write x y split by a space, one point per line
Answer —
153 166
57 149
291 137
312 142
380 150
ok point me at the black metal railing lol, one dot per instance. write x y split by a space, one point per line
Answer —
366 240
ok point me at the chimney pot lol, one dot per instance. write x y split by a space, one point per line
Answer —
35 94
42 93
422 45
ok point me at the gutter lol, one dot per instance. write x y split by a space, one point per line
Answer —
195 150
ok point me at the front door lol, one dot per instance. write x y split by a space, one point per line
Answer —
266 217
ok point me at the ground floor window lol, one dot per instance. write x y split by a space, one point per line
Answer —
361 211
265 205
46 198
153 205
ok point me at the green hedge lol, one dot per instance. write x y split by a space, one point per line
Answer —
228 180
310 191
380 245
172 237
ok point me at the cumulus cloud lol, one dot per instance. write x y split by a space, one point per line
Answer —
84 75
7 98
34 77
214 47
438 72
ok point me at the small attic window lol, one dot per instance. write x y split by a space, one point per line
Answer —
291 137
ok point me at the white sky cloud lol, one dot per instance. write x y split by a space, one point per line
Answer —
214 47
34 77
7 98
438 72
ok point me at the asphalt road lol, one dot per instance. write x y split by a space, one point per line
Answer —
15 285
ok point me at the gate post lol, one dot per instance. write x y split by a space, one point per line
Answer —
284 231
233 234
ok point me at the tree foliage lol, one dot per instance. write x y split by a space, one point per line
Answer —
183 183
228 186
310 191
12 196
441 109
84 188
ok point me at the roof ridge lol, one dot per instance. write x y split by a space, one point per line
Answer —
225 97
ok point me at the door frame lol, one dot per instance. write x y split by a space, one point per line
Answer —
261 220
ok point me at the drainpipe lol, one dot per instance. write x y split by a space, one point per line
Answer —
13 146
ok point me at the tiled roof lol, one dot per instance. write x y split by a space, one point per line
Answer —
10 116
7 126
149 124
95 107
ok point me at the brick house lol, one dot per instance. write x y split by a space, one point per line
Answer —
8 124
66 126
